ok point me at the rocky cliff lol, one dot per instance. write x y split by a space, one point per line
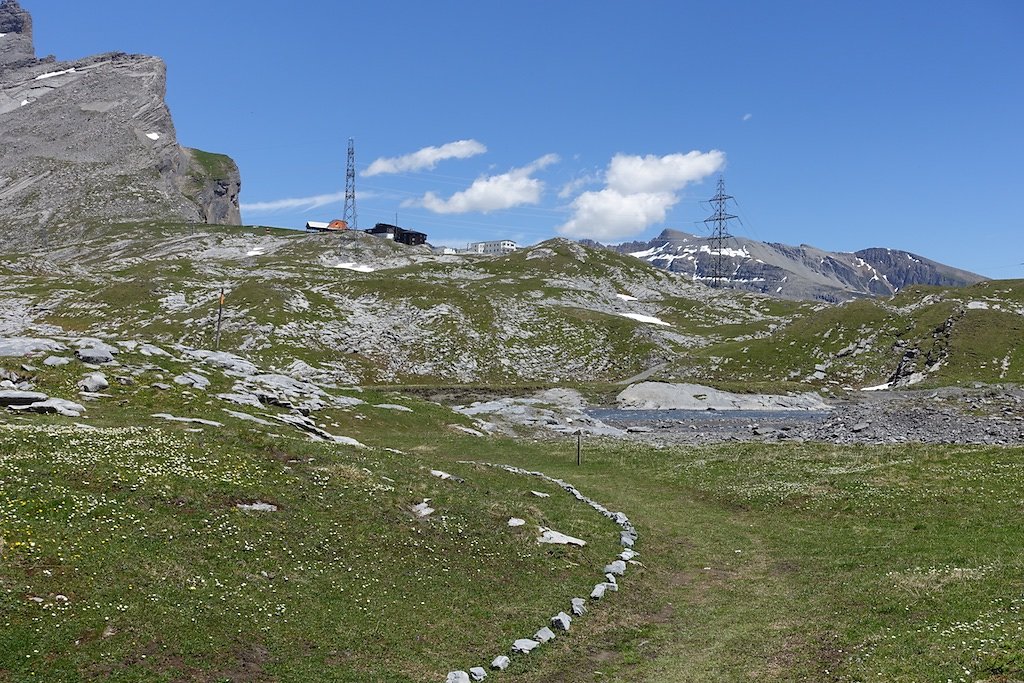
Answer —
93 141
801 273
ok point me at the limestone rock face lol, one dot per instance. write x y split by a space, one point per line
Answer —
16 29
92 141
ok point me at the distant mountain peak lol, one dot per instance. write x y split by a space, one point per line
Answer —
803 272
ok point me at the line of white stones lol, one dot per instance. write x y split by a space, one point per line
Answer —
561 621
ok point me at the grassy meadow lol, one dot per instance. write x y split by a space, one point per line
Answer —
126 558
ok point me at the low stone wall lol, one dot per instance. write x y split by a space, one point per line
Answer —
577 606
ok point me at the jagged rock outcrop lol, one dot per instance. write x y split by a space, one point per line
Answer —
803 272
92 141
15 34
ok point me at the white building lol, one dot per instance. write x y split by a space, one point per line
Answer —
496 247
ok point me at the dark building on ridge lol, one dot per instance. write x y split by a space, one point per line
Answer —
401 235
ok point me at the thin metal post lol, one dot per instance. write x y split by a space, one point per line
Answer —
220 317
579 447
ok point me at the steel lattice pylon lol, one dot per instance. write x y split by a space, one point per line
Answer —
349 215
718 222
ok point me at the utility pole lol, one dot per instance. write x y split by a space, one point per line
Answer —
718 222
349 216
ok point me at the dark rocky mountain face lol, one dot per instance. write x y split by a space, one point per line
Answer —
16 31
93 141
802 272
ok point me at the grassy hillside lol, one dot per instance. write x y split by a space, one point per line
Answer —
926 336
125 556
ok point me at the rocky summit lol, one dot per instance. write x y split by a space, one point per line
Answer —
92 141
798 273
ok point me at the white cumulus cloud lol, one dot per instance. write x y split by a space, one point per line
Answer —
300 203
747 117
517 187
426 158
670 173
639 191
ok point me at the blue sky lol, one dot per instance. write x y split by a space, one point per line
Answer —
842 125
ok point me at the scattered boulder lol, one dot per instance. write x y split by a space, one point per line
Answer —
14 397
94 382
193 379
561 621
501 662
248 418
515 522
257 506
56 361
579 607
96 356
525 646
478 673
598 591
558 538
393 406
306 424
229 362
52 405
618 568
17 347
457 677
241 399
544 635
150 350
192 420
423 509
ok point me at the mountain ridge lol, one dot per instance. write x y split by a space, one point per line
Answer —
800 272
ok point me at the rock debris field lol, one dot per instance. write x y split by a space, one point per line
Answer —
668 414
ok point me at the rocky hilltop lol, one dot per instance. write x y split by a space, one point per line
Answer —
92 141
799 273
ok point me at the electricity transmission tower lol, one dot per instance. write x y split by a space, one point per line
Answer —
350 188
718 223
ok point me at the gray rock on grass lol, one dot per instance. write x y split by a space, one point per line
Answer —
618 568
544 635
579 607
53 405
24 346
478 673
94 382
94 355
500 663
56 361
561 621
14 397
190 420
525 646
193 379
457 677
